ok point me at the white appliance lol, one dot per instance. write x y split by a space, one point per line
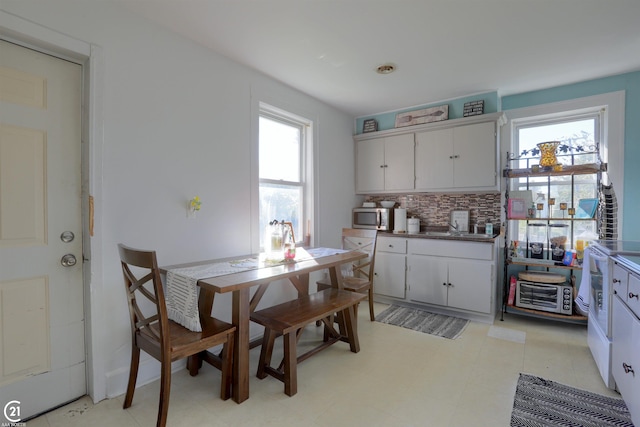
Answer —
601 300
413 225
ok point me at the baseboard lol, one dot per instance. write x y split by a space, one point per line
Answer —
148 371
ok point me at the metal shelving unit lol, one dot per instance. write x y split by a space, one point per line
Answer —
572 170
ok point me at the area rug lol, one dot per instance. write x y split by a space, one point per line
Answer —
423 321
544 403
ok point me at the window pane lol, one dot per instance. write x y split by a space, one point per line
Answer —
574 133
280 202
279 151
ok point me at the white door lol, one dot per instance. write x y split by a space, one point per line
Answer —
398 160
475 148
389 275
42 363
428 279
470 285
369 165
434 159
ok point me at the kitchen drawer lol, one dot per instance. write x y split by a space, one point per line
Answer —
625 363
394 245
451 248
620 279
633 296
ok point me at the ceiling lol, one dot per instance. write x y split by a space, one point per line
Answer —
443 49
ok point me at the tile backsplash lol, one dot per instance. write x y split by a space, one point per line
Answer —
434 209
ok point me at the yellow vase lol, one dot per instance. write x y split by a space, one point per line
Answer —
548 153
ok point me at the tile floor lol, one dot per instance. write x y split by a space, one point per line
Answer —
399 378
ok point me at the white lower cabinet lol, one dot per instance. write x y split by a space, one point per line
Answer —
625 359
625 363
450 275
390 267
432 270
451 282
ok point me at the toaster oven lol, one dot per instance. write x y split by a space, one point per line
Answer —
545 296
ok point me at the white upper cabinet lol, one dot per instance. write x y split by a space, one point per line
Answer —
434 159
458 158
385 164
452 155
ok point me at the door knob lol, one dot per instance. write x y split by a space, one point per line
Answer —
69 260
67 236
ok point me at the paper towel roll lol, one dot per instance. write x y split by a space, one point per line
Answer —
400 220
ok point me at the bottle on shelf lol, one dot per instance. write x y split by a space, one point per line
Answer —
488 228
557 240
289 245
541 206
537 236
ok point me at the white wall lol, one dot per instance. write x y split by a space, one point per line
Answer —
177 122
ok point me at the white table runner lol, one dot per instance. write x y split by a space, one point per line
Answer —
181 290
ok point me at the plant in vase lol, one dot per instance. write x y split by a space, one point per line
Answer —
548 153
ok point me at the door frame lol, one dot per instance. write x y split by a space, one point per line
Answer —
90 56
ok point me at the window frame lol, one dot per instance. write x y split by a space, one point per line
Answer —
612 107
305 160
597 114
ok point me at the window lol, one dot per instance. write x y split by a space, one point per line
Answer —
608 112
579 131
283 169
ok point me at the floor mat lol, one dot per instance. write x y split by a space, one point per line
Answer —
423 321
544 403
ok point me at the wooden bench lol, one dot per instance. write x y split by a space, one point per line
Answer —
289 319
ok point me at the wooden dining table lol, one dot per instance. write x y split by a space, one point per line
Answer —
240 285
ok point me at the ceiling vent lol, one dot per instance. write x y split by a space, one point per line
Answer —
386 69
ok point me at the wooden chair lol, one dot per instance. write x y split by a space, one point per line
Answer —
359 277
165 340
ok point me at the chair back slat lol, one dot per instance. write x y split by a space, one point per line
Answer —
146 283
365 241
138 284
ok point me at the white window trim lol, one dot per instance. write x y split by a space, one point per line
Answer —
307 172
611 133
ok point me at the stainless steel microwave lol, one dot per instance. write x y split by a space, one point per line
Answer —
373 218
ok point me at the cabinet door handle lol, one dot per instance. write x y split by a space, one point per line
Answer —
628 369
381 166
444 284
632 295
449 284
616 280
457 156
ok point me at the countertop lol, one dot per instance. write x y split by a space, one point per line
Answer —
443 235
630 261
